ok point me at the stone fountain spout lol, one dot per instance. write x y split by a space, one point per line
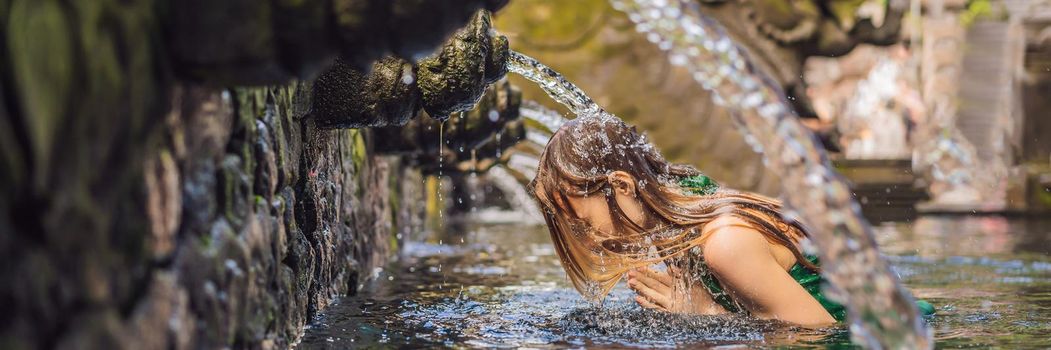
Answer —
395 90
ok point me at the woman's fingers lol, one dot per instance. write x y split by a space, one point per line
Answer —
661 299
646 303
661 278
652 281
664 278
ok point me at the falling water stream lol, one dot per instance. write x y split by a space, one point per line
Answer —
549 121
548 118
555 85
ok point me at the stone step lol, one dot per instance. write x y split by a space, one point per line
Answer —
884 188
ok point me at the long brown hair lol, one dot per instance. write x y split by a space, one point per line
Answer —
577 162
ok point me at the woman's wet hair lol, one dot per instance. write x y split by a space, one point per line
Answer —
578 161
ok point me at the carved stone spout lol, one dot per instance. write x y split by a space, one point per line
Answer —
453 79
450 81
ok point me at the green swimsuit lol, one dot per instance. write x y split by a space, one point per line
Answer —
810 281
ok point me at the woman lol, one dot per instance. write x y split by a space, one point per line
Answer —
614 206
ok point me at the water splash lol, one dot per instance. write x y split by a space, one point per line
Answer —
882 313
549 122
548 118
568 94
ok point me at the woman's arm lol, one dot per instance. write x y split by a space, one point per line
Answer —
742 260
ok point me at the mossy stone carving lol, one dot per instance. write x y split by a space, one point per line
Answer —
455 78
392 91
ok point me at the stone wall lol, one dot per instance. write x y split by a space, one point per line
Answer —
148 199
245 221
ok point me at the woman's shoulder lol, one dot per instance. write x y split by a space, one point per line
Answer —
726 225
730 239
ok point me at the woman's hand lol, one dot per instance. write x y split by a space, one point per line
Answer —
656 290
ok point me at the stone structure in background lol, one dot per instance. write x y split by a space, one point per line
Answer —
1035 155
976 85
150 197
782 34
869 98
969 134
942 156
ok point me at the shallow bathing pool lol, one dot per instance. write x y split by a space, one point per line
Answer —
501 285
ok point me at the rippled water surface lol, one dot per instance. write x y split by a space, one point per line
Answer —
502 286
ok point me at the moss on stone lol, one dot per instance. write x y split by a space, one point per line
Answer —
453 79
41 53
345 97
89 95
357 148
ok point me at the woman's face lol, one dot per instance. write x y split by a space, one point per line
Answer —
593 210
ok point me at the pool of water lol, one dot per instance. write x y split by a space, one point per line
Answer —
500 285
